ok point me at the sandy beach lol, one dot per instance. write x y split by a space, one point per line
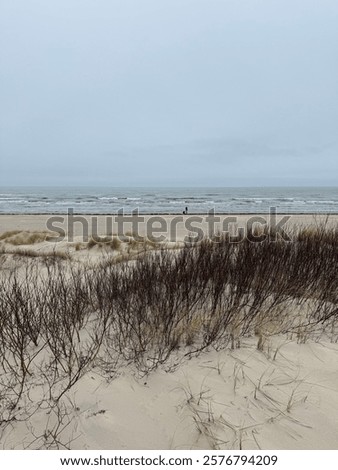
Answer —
171 226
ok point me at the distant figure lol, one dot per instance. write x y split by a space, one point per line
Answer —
186 211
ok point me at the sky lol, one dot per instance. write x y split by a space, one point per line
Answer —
169 92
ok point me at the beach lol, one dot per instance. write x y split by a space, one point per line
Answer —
176 222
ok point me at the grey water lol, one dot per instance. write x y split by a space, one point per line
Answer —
109 200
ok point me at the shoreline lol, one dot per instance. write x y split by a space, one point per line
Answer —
202 214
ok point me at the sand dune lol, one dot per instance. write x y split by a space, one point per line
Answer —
275 387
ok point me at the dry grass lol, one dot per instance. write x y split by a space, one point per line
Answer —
109 242
133 245
17 237
27 253
80 246
9 234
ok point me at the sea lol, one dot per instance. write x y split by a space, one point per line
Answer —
109 200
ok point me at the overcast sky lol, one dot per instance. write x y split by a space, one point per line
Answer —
169 92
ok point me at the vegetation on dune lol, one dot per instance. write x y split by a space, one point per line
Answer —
18 237
62 320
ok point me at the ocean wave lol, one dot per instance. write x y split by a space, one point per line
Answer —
186 201
64 203
254 199
15 201
13 198
322 202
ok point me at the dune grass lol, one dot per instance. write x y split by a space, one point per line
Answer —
66 320
105 241
18 237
